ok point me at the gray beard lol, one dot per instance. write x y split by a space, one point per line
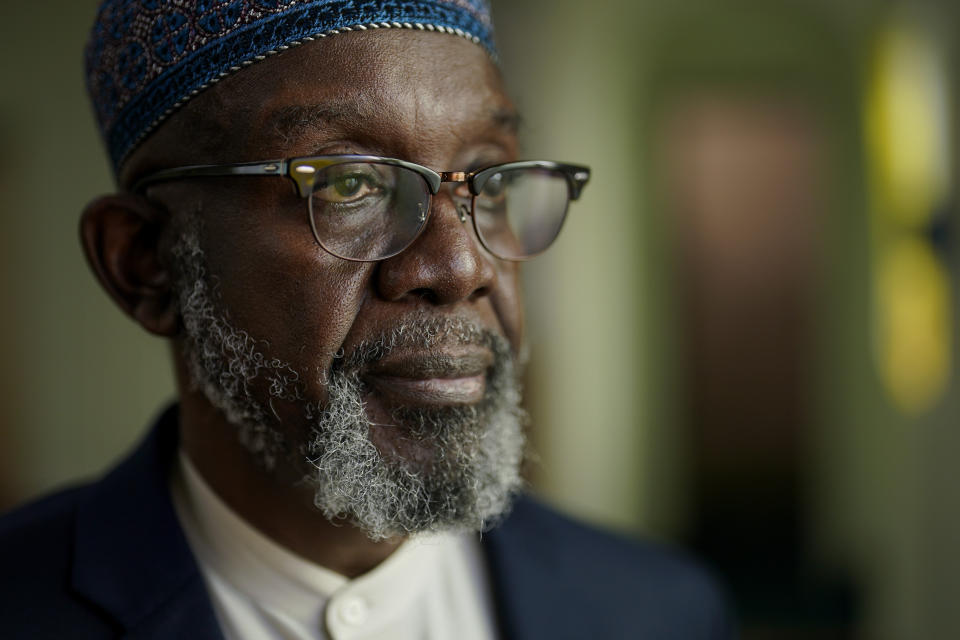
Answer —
475 452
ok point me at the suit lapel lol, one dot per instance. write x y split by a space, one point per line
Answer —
131 557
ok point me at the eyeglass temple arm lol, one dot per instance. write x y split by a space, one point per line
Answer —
271 168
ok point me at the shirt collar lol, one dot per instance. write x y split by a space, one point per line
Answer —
278 580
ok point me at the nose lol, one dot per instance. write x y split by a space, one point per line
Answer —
445 264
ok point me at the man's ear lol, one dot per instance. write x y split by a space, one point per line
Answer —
121 236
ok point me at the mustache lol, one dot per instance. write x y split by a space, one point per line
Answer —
418 331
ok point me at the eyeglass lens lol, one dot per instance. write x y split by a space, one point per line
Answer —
519 212
372 211
368 211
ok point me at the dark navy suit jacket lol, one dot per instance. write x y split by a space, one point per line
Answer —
109 560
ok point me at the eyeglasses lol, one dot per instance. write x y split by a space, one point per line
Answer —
368 208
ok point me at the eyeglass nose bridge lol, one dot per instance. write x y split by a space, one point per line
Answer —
463 209
453 176
463 206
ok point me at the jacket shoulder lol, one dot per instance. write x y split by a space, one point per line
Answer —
36 551
39 533
603 584
45 512
590 549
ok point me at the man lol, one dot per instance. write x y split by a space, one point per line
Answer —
321 207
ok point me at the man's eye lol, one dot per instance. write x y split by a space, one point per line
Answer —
494 186
493 196
348 188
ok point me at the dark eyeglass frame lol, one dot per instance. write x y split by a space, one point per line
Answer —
304 170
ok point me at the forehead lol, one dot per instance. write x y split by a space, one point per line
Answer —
385 91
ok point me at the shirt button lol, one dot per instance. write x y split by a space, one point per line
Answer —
353 611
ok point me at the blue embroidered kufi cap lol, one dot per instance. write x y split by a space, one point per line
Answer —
146 58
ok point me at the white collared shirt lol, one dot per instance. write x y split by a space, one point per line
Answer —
430 588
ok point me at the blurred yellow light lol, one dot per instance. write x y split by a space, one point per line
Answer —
907 125
914 321
908 133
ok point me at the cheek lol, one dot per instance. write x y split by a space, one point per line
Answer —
294 299
507 301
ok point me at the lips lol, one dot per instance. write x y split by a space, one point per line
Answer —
435 378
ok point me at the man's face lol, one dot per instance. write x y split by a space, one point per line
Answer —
278 323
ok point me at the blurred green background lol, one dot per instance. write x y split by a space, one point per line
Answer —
744 342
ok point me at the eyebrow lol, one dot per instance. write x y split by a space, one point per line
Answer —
291 121
508 119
